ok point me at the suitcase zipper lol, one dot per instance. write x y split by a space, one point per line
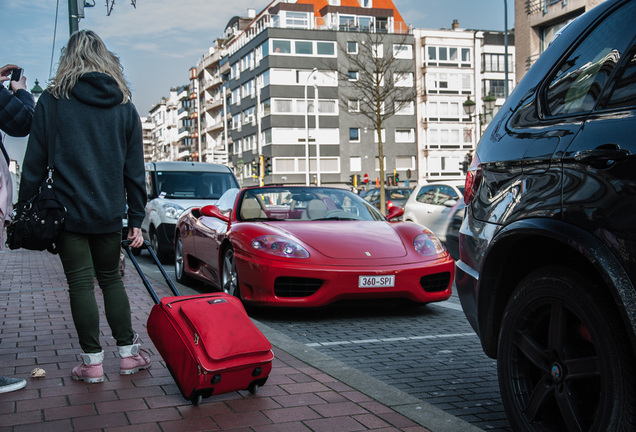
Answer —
196 339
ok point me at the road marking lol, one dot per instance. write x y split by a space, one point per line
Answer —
393 339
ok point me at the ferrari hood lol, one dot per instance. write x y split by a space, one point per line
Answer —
350 240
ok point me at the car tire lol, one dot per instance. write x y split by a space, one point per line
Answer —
154 244
229 277
557 321
179 264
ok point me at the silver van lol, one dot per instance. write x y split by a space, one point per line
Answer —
173 187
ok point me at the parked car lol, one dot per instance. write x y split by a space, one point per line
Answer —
547 269
431 202
297 246
455 219
394 196
173 187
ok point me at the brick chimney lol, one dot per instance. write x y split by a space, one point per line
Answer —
455 24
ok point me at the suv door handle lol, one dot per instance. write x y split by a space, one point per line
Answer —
603 154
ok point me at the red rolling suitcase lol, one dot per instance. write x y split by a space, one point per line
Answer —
207 341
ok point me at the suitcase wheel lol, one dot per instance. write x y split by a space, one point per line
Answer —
196 400
253 388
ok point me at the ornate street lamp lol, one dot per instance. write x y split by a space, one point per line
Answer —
36 91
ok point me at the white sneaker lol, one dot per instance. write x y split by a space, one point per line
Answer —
11 384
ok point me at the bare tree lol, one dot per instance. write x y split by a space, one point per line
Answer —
377 82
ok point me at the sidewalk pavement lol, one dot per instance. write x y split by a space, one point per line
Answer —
306 390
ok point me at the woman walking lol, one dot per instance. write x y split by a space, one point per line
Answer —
99 165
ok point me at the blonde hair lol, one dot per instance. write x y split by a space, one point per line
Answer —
86 52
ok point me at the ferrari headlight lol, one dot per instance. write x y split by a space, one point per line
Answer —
279 246
428 244
172 211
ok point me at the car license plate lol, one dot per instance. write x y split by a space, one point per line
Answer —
376 281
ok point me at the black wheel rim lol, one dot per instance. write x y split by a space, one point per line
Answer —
230 276
555 369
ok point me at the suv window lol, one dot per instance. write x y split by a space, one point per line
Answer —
624 94
577 84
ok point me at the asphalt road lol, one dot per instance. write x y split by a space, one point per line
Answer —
429 351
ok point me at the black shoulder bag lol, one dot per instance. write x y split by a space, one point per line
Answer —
37 223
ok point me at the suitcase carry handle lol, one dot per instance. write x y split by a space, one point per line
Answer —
126 245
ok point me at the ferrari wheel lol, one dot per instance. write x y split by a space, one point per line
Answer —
179 264
230 279
564 362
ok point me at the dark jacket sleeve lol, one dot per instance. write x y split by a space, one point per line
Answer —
16 112
36 155
134 177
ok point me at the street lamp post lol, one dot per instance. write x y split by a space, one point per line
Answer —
307 125
489 106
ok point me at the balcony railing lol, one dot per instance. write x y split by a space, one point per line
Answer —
535 6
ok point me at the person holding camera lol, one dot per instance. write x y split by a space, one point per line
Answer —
16 113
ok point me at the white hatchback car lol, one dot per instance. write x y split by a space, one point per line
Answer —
431 202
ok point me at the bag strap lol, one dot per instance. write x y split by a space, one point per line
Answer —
52 131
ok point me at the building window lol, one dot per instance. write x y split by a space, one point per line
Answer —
403 51
304 47
403 79
281 46
404 108
404 135
497 88
366 3
354 105
354 134
496 63
352 47
353 75
448 56
326 48
355 163
378 50
297 20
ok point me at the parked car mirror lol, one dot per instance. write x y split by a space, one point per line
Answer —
450 202
395 212
213 211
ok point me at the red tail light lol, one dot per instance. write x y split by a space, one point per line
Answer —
473 179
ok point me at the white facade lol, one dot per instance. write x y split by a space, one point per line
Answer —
452 65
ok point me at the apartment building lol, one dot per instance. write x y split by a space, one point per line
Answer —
536 23
455 66
287 103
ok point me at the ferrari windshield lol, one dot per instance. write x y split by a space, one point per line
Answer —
304 204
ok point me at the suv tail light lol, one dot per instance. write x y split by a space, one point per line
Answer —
473 179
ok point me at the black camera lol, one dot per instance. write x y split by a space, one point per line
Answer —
16 74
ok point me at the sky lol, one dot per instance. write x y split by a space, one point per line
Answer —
158 41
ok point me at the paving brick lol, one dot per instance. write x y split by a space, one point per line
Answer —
282 415
339 409
237 420
99 422
190 425
335 424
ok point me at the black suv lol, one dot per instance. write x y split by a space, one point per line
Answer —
547 267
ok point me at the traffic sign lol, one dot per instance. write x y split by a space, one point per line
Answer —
365 178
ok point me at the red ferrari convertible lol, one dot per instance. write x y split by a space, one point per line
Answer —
303 246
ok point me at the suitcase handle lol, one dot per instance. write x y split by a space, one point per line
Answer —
126 245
